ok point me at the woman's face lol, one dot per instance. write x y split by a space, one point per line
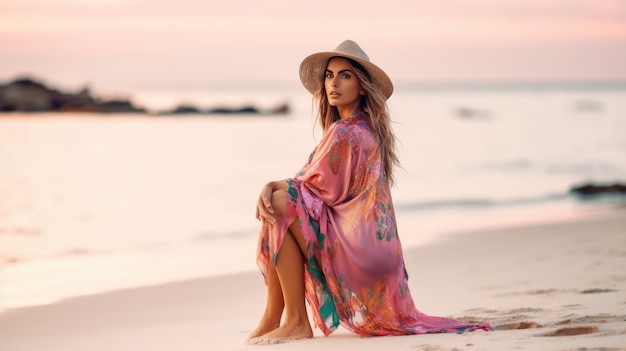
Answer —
342 87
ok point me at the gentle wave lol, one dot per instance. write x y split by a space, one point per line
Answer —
235 234
481 203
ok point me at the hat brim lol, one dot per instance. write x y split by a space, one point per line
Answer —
313 68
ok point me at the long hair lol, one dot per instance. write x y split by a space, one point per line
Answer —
374 104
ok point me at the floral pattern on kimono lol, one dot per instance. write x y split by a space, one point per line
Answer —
354 271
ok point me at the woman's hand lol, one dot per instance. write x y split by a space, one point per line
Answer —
264 209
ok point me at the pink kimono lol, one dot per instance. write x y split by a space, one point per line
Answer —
354 272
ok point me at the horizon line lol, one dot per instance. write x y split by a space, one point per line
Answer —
596 83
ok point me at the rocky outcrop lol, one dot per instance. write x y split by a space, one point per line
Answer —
27 95
599 189
282 109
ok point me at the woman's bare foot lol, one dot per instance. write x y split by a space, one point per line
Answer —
263 328
285 333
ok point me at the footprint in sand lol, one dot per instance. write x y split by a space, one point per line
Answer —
518 325
434 348
522 310
571 331
597 291
599 318
538 292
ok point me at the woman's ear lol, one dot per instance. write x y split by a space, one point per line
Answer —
362 92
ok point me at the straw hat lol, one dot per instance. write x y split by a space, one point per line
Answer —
313 68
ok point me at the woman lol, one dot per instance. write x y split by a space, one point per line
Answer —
329 234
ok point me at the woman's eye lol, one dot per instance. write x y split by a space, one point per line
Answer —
345 76
329 75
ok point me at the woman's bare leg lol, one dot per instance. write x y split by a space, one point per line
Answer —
290 269
290 272
274 305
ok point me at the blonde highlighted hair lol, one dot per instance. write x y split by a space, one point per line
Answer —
374 104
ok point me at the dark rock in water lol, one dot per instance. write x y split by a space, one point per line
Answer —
188 109
282 109
593 189
472 113
242 110
29 96
183 110
117 106
587 105
26 95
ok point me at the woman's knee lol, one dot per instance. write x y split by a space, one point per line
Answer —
279 202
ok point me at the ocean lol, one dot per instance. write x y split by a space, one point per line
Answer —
93 203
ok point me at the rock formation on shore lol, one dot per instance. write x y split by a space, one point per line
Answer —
27 95
591 189
282 109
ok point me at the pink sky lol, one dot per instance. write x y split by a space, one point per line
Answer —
192 42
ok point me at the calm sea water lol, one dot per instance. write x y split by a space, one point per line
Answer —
93 203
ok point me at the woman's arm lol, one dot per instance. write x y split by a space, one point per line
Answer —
264 209
278 185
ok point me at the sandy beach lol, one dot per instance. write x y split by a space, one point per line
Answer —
557 286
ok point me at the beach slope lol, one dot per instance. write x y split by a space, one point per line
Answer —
559 286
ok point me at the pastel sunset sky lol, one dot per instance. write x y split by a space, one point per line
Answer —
187 42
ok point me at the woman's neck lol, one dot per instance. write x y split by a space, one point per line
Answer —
347 112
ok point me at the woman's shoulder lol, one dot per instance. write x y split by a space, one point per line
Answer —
355 129
354 124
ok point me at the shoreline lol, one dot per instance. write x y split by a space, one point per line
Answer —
430 232
552 276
